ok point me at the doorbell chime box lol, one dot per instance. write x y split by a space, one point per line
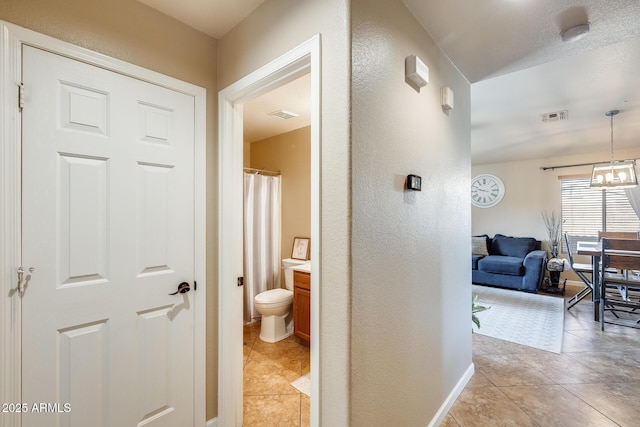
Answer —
416 71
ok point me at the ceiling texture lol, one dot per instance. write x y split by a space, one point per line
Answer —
512 53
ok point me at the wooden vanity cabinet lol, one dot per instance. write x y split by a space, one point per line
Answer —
302 305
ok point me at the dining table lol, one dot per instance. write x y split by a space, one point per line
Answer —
594 250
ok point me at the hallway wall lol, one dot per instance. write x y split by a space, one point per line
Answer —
411 295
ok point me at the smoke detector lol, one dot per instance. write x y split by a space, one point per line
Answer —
575 33
282 114
555 116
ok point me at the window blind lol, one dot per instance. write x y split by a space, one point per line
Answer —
582 211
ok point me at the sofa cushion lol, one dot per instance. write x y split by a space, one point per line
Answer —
479 245
502 265
474 261
512 246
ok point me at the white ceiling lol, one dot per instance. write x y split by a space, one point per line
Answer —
512 53
212 17
294 97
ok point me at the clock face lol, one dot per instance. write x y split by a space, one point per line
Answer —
486 190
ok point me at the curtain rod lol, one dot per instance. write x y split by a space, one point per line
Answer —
263 171
544 168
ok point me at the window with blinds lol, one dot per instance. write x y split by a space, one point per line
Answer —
586 211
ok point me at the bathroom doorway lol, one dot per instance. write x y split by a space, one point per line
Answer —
301 61
277 209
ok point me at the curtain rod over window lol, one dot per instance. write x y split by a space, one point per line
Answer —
262 171
545 168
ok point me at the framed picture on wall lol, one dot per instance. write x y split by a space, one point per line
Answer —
301 248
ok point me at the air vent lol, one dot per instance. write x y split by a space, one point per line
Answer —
282 114
554 117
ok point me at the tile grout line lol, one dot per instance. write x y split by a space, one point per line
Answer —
589 405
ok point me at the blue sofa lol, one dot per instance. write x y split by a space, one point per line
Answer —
508 262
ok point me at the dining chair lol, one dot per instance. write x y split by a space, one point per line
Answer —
581 271
620 292
634 235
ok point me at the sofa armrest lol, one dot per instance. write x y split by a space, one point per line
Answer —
534 264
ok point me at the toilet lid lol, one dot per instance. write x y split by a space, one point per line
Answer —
273 296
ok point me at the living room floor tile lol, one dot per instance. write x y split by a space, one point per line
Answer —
483 344
616 366
479 380
449 421
561 369
572 343
488 406
620 402
553 405
504 370
594 382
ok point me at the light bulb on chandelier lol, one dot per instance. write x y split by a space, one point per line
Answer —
615 174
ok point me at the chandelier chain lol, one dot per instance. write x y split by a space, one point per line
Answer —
612 138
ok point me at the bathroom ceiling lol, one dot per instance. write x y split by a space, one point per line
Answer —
293 97
519 68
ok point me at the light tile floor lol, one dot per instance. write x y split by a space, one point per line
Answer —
269 368
594 382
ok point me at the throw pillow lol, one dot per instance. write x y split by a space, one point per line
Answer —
512 246
479 246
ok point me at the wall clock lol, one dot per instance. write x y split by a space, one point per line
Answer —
486 190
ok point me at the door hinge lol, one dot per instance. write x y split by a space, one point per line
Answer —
240 281
195 285
21 96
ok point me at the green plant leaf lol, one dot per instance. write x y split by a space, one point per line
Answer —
475 320
475 308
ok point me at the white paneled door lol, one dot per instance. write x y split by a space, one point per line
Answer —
108 225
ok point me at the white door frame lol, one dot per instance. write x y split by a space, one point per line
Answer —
12 38
304 59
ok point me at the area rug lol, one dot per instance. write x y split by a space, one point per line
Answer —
523 318
303 384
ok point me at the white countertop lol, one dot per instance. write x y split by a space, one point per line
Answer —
306 267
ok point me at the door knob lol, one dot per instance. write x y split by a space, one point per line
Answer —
183 288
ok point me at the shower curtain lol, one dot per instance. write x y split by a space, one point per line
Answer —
261 238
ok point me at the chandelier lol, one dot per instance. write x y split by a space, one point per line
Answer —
615 174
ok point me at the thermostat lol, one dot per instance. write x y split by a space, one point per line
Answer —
414 182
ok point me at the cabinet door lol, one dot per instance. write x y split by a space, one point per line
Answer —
302 313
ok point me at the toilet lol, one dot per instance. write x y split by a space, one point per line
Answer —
275 306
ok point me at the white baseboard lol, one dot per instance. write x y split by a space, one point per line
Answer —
450 400
213 422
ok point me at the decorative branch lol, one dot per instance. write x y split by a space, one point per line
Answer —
553 223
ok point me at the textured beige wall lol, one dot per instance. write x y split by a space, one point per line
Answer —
133 32
411 329
289 153
271 30
528 192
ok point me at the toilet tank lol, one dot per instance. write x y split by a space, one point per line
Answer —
287 263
